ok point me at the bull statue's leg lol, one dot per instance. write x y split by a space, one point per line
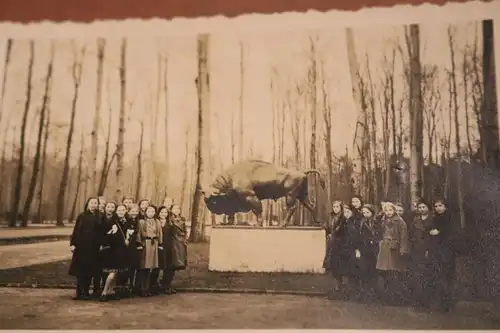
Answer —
256 206
291 206
310 208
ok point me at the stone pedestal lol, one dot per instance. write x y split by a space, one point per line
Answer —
271 249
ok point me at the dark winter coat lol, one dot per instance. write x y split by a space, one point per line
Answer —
115 246
363 239
440 248
132 254
87 239
174 253
337 255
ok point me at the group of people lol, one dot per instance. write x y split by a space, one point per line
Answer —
125 249
391 253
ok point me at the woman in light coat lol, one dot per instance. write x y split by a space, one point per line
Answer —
149 238
393 249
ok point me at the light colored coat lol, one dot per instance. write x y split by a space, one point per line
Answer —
149 236
393 245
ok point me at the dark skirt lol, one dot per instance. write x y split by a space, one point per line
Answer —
173 256
114 259
364 266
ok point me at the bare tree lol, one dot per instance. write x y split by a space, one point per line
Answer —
359 139
202 83
78 179
101 46
8 51
22 144
416 128
166 169
312 80
77 79
457 128
41 124
489 110
465 78
139 163
108 161
120 146
185 169
42 170
327 118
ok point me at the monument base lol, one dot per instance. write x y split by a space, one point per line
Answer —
271 249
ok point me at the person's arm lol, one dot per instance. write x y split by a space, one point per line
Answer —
74 235
160 234
404 247
140 241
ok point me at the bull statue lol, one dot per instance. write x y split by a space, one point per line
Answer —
241 187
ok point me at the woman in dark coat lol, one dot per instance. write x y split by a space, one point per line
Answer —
105 218
132 252
336 258
85 243
440 267
418 234
364 235
173 257
163 215
114 250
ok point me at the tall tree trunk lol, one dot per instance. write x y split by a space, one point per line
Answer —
489 111
359 140
79 179
313 102
202 83
373 135
8 51
38 153
327 117
106 165
94 150
41 215
185 171
241 143
153 134
120 147
138 181
77 79
22 145
457 129
466 104
166 169
416 116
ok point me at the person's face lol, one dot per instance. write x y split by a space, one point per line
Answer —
414 206
168 202
347 212
92 205
388 211
439 207
367 213
422 209
150 212
133 212
144 205
163 213
400 210
110 208
356 202
120 211
176 210
127 202
336 208
102 204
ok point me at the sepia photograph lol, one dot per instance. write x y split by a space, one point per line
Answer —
341 176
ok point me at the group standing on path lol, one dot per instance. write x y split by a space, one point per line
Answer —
127 249
390 254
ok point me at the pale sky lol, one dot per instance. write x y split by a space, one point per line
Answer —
285 51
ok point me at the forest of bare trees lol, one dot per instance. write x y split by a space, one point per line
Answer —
420 129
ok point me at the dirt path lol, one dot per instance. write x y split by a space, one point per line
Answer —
53 309
12 256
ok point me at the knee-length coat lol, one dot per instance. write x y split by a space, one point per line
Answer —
174 253
149 237
336 257
132 254
363 236
86 239
393 246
